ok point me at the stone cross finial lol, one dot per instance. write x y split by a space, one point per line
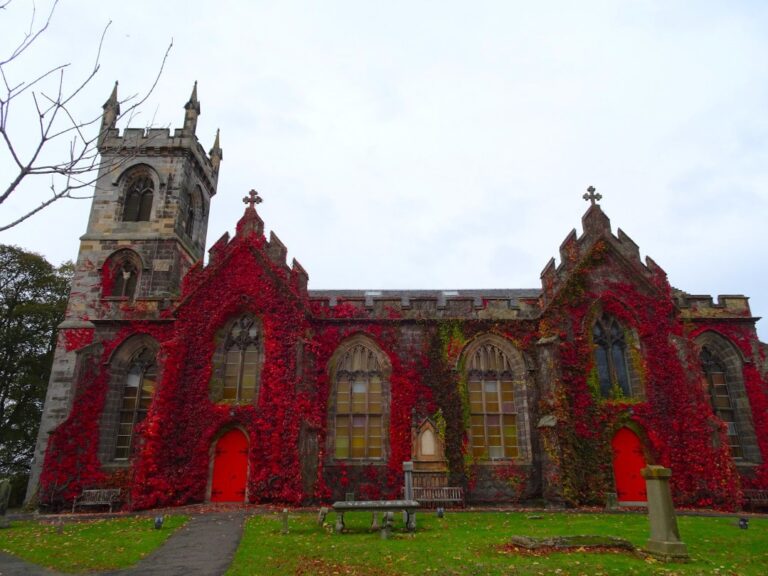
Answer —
592 196
252 198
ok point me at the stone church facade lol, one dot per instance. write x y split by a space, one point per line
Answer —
181 382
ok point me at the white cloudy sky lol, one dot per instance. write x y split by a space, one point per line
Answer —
445 144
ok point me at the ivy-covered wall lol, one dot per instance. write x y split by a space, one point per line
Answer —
569 424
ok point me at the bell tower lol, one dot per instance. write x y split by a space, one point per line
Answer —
149 216
147 227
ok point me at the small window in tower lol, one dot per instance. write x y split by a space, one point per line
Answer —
125 280
189 226
187 212
121 274
140 191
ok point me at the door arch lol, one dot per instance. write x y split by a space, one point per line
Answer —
628 460
229 475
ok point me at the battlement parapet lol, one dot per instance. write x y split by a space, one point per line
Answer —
431 304
155 142
704 306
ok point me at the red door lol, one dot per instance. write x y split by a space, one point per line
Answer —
628 460
230 468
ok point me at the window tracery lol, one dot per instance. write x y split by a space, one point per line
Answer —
721 398
360 404
611 357
188 211
492 404
139 194
242 361
121 273
138 389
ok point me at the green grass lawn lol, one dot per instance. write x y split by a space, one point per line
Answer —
468 543
87 546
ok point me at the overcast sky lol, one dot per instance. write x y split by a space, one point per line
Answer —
444 144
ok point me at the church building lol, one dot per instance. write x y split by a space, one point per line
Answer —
180 381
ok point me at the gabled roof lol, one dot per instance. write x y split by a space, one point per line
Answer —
575 249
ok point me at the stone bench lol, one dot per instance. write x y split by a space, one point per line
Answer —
376 506
101 497
439 495
756 498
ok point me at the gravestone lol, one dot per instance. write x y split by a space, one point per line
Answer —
664 541
389 522
321 516
5 496
284 529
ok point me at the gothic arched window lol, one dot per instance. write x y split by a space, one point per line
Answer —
138 389
188 211
611 357
242 361
360 401
139 194
125 279
721 399
121 274
492 408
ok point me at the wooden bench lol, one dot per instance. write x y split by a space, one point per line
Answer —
376 506
439 495
101 497
756 498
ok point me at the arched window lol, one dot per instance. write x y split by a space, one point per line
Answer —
139 193
242 361
492 404
360 389
125 280
611 358
721 398
121 274
138 390
188 211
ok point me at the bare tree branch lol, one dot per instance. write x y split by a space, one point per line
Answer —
55 120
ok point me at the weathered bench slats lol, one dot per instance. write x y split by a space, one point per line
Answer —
756 498
434 496
102 497
430 479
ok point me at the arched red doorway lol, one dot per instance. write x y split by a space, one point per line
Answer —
230 468
628 460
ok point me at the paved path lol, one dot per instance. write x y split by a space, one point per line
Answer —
12 566
204 546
